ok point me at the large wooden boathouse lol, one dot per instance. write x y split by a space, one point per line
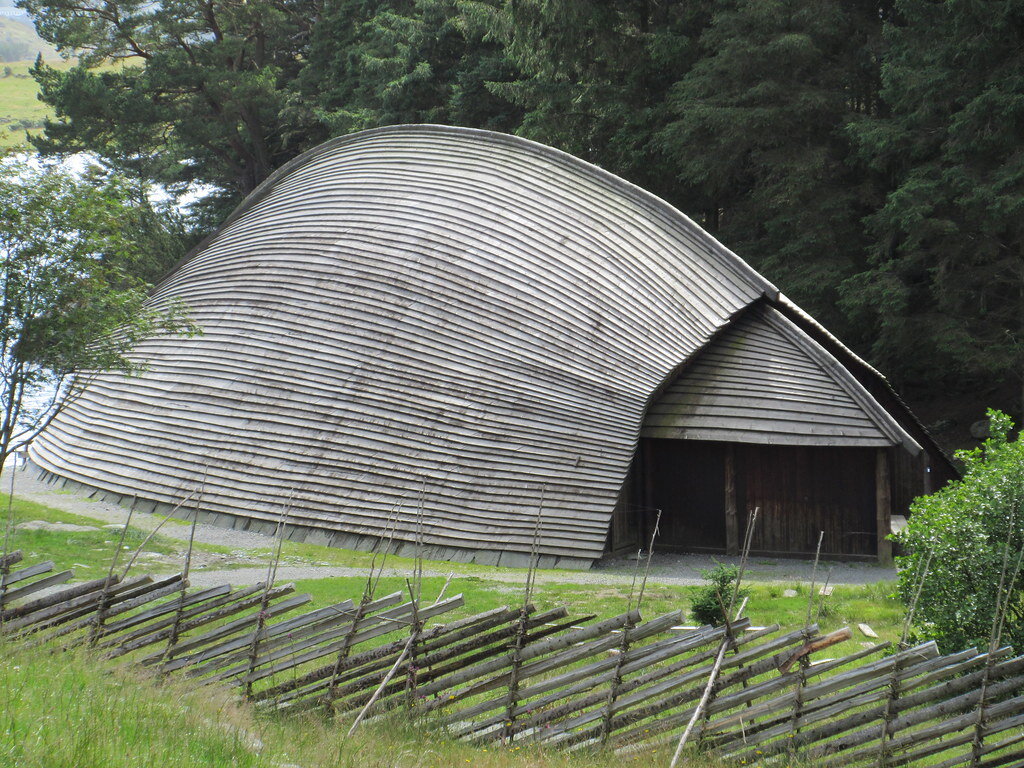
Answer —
442 335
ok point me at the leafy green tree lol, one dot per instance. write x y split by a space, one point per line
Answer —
404 61
970 535
199 94
945 284
758 133
70 301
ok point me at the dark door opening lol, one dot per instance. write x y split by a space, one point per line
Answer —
686 481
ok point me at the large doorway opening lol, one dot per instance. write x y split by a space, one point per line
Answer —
686 481
706 491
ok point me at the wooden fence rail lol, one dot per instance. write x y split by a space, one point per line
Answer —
518 675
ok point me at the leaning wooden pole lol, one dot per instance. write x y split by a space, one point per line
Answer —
627 631
101 611
512 700
998 621
698 711
261 616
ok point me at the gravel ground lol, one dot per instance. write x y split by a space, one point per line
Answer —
669 569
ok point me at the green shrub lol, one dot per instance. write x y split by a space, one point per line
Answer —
706 605
967 531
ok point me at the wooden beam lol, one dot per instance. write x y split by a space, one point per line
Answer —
883 505
732 526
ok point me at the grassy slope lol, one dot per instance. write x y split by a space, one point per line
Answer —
63 710
89 553
19 107
66 710
22 36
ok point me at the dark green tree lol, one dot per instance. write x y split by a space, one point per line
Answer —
199 92
404 61
945 288
595 77
758 134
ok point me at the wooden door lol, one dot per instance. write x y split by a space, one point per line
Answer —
802 491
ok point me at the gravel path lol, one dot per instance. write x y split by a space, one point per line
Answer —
668 569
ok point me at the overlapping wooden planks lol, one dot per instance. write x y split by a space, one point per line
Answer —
409 303
765 381
517 675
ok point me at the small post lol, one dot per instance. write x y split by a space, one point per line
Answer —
616 683
415 630
5 566
883 506
520 640
261 617
101 611
172 640
998 621
732 526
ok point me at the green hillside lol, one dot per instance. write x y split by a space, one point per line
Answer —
19 41
20 108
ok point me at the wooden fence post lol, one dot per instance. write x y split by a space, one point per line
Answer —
415 630
616 683
890 709
798 700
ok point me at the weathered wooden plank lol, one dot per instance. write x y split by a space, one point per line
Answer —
70 609
386 624
213 611
154 629
431 668
11 558
632 693
593 674
113 627
194 648
379 658
636 704
285 637
529 652
69 593
296 627
14 577
636 656
118 604
20 593
745 720
945 744
831 731
848 699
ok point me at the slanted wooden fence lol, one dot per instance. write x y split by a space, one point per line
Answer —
511 675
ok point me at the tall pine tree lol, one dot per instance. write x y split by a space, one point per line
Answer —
200 92
404 61
945 288
759 135
594 77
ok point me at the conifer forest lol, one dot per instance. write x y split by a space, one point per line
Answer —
866 156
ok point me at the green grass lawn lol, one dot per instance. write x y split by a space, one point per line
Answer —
65 710
89 554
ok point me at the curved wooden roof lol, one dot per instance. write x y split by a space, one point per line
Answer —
428 328
763 380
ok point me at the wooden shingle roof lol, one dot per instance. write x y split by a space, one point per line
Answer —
416 318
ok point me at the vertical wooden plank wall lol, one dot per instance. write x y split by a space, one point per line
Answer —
883 505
